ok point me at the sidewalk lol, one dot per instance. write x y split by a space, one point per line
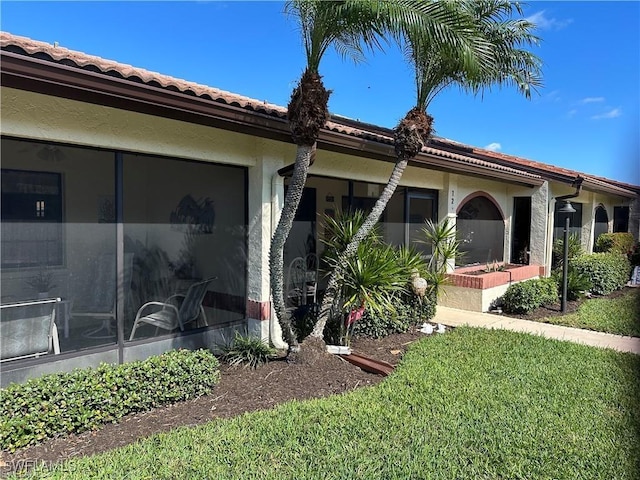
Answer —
454 317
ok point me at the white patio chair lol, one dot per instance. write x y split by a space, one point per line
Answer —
28 329
176 311
101 301
302 281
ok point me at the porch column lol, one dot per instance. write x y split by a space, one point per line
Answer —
541 227
448 205
260 219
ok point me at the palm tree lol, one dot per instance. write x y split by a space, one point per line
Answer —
436 67
348 27
352 27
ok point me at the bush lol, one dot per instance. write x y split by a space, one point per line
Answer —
524 297
408 312
249 350
577 283
620 242
84 399
606 271
575 249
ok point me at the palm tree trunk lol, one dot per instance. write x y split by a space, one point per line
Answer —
276 252
330 295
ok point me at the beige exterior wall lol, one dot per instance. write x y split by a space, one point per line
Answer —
36 116
42 117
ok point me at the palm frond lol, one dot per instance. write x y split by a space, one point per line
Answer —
351 27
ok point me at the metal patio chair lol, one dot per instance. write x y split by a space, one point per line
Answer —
28 329
101 300
176 311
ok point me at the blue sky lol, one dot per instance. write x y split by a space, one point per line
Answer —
585 118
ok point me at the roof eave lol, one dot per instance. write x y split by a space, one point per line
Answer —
25 72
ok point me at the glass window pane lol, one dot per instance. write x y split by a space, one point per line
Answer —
481 231
575 221
58 236
420 210
184 222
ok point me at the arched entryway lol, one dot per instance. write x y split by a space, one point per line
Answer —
480 226
601 224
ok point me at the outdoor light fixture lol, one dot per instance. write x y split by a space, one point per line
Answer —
567 210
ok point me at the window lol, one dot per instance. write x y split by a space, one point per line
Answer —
31 219
601 223
620 219
575 220
481 230
183 221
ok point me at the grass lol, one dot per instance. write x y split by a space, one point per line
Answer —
474 403
619 315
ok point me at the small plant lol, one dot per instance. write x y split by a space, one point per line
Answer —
445 250
251 351
577 283
41 282
495 267
574 251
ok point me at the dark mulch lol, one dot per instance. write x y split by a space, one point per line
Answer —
240 390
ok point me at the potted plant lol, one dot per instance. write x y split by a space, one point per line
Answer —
41 283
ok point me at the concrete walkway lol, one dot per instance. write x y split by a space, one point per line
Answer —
454 317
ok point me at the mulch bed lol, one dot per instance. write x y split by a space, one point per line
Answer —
555 310
240 390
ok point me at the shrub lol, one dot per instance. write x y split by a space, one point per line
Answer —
84 399
408 312
249 350
575 249
524 297
620 242
607 271
577 283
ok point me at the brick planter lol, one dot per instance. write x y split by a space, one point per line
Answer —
470 288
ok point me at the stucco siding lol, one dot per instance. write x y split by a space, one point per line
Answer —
42 117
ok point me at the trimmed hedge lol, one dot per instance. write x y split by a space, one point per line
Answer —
524 297
620 242
607 271
85 399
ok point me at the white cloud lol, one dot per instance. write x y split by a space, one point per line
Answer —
494 147
547 23
613 113
584 101
571 113
553 96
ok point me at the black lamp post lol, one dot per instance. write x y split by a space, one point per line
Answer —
567 209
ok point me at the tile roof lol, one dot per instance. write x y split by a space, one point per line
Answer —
462 153
74 58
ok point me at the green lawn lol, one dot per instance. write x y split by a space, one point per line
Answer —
617 315
471 404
